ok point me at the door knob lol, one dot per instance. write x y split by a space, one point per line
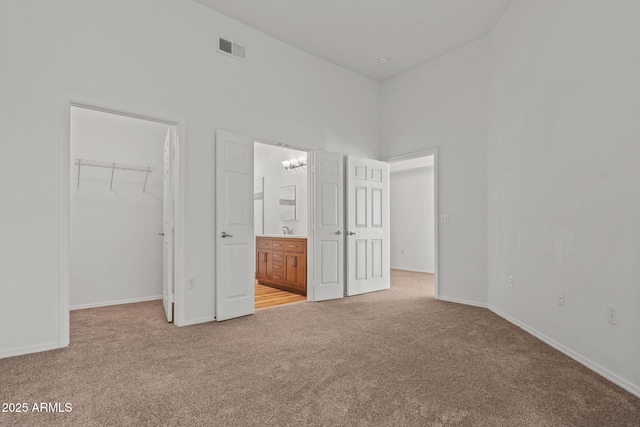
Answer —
161 234
338 232
351 233
224 234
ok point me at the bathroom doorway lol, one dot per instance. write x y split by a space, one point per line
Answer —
281 224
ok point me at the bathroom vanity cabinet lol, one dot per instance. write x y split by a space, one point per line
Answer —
281 262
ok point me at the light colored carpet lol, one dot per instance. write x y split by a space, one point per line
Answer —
390 358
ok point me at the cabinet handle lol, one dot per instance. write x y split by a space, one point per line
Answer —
292 246
276 277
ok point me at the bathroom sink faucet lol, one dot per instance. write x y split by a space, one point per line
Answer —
286 230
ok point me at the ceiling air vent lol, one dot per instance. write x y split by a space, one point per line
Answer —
233 49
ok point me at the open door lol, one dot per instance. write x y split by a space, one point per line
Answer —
235 241
168 223
367 210
328 225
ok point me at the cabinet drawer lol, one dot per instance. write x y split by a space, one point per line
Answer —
290 245
263 243
277 277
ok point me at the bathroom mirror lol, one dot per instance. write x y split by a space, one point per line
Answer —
258 204
287 204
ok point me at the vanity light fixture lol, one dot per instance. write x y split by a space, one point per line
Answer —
295 164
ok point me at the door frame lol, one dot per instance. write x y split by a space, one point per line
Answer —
436 215
66 101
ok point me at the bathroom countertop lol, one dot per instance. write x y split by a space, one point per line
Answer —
285 236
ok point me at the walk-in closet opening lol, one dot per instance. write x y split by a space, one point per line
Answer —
118 209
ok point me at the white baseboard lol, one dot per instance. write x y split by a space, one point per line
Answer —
412 270
108 303
27 350
200 320
463 301
631 388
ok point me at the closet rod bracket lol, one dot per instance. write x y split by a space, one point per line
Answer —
113 166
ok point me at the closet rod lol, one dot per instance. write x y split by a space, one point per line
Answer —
113 166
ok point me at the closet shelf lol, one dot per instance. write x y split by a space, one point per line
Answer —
113 166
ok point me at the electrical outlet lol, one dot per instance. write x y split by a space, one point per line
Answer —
444 218
511 281
561 297
192 283
613 315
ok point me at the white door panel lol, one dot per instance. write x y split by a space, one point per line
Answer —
361 259
367 207
235 241
328 223
168 223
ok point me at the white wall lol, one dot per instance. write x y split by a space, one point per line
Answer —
412 220
443 104
156 55
564 176
267 160
115 249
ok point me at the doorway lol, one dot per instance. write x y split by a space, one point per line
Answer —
116 209
329 193
413 219
92 194
281 220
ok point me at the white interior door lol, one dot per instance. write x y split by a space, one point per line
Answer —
367 226
168 223
328 225
235 241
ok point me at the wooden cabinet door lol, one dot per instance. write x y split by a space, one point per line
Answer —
262 262
301 272
295 270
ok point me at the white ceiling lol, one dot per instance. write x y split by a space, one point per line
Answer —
355 33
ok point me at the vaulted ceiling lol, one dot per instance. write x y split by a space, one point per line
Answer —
356 33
